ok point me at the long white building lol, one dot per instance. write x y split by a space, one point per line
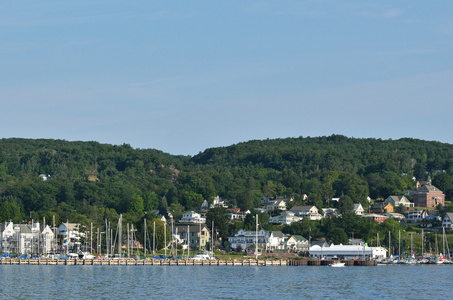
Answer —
348 252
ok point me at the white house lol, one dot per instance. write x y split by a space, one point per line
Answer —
244 239
276 241
25 238
310 212
358 209
218 202
297 243
70 235
416 215
192 217
448 221
285 218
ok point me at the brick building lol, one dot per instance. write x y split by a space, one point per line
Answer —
428 196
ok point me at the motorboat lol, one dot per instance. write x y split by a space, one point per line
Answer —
337 264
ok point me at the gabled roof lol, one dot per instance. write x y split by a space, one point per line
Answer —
450 216
278 234
299 238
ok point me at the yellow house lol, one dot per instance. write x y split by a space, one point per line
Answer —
389 208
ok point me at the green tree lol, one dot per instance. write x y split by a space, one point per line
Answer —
136 204
220 217
10 212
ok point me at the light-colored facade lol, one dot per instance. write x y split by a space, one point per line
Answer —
358 209
285 218
297 243
25 238
416 215
310 212
348 252
399 201
192 217
447 222
244 239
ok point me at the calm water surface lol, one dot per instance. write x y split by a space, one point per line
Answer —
192 282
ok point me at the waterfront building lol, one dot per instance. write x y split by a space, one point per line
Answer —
25 238
348 252
297 243
197 235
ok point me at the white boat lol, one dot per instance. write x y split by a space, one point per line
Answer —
337 264
203 255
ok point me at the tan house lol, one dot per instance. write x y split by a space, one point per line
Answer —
428 196
196 235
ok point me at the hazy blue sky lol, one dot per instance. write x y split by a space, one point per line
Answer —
183 76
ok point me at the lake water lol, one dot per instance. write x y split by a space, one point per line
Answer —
226 282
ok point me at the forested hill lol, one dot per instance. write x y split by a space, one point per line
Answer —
90 181
334 153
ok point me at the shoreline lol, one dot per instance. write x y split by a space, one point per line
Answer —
180 262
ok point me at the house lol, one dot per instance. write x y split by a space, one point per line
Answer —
279 203
381 207
285 218
204 206
276 241
244 239
192 217
25 238
358 209
447 222
428 196
310 212
70 234
416 215
235 214
399 201
330 212
376 218
218 202
197 236
297 243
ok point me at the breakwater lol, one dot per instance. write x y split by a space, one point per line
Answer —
180 262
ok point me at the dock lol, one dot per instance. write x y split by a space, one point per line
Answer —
180 262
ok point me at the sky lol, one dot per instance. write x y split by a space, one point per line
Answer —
184 76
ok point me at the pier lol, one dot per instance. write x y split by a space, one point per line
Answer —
180 262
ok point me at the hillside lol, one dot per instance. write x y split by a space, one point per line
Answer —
90 181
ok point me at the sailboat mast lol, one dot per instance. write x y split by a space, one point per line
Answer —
120 234
144 238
